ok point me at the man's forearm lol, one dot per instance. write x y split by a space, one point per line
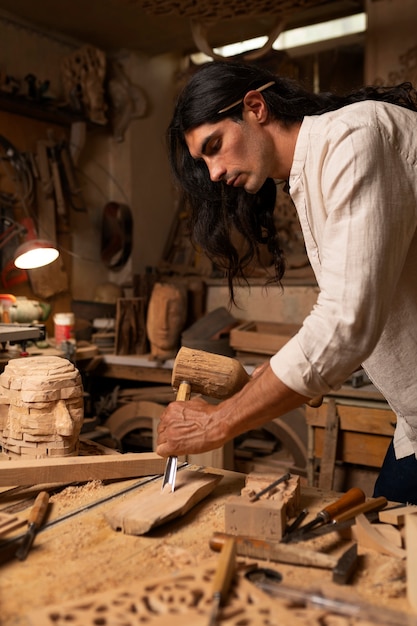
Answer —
263 399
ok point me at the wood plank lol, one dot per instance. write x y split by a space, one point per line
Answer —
358 448
139 373
262 337
80 468
328 457
152 507
379 421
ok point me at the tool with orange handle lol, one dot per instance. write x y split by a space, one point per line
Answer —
346 502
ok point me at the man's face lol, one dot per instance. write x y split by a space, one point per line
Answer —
238 153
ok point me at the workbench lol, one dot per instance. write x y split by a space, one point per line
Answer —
76 555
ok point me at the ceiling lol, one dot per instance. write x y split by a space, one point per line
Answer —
143 26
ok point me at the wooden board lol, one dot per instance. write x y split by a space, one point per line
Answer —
80 468
262 337
152 507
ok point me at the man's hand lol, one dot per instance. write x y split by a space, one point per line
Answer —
188 427
195 426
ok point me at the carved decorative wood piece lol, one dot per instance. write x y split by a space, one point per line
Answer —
184 599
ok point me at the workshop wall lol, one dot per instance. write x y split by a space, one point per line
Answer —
131 169
391 46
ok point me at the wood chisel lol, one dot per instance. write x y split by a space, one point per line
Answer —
350 499
340 522
34 521
223 577
170 474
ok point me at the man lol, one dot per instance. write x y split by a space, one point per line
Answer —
350 165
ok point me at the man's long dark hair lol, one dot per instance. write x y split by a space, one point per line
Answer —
217 211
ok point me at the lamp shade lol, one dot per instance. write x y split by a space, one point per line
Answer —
35 253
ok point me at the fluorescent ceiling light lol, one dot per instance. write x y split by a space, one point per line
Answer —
295 38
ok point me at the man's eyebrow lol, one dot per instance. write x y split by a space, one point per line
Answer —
206 142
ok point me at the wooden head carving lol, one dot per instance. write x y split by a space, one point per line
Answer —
167 311
42 407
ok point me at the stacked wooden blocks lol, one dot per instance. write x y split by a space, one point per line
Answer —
41 407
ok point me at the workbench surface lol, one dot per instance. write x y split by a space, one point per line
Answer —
77 554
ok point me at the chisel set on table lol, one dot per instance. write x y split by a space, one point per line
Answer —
280 500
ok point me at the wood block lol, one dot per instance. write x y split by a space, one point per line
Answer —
286 493
397 516
264 519
152 507
411 540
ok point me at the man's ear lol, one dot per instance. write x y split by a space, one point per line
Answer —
254 101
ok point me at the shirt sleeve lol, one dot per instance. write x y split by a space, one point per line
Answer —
361 216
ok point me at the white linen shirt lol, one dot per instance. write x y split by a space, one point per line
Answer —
354 185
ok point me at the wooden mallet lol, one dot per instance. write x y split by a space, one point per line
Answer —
213 375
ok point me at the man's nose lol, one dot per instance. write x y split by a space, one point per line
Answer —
217 172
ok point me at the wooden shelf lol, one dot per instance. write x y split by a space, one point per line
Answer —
43 111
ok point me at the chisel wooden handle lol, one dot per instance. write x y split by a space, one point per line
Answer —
184 391
225 569
38 510
376 504
170 474
351 498
223 577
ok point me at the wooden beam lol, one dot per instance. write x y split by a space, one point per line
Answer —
328 458
80 468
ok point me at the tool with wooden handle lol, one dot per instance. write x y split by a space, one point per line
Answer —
170 474
274 551
342 522
223 577
34 521
209 374
347 501
213 375
342 565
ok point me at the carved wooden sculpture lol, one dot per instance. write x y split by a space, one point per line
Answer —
166 317
83 73
42 407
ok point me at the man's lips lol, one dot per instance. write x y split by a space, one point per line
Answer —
232 181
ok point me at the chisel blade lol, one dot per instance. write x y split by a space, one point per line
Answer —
170 474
